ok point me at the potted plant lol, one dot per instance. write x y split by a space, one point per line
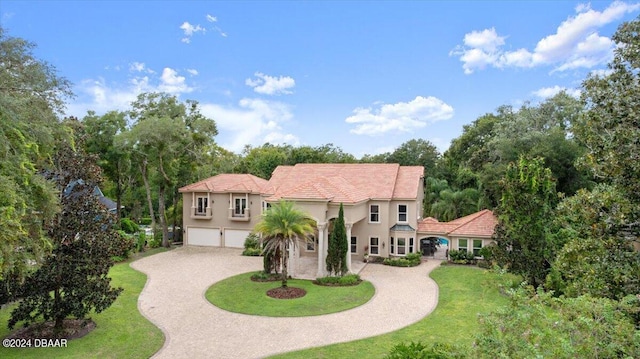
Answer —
366 254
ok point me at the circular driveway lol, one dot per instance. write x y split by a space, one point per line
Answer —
173 299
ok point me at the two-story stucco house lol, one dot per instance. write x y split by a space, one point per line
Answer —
382 206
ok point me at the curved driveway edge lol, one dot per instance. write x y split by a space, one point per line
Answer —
173 299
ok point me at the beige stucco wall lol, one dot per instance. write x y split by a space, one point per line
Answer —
220 213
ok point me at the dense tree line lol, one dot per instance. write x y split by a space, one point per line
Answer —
562 176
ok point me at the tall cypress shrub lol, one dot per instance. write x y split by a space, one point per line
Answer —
338 247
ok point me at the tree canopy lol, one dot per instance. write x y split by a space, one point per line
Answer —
31 96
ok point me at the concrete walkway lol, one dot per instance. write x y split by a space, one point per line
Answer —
173 299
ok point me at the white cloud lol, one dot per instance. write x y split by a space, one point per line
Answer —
547 92
270 85
193 72
100 96
139 67
486 40
173 83
400 117
251 121
189 30
576 43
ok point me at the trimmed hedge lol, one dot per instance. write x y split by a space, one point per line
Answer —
347 280
461 257
410 260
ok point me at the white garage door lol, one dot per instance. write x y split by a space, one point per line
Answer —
203 237
234 238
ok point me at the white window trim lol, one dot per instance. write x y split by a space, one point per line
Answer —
406 213
394 245
371 246
473 247
204 211
371 205
398 246
234 207
315 244
350 244
467 247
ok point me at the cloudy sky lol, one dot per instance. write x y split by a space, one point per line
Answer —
365 76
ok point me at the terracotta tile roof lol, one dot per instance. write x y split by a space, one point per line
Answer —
407 182
479 224
244 183
346 183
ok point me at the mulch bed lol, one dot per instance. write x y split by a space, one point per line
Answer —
72 329
336 284
286 293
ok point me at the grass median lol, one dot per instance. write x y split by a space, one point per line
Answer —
239 294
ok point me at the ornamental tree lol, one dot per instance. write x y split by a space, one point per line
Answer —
72 280
338 247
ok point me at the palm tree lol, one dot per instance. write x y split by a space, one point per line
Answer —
281 226
452 205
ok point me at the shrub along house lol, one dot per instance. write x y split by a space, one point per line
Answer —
382 207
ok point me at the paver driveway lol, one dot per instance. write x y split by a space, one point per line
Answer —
173 299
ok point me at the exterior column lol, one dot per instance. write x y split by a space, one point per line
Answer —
322 266
348 226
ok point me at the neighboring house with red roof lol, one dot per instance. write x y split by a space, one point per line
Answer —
382 209
469 233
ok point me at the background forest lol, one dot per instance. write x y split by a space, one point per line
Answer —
562 175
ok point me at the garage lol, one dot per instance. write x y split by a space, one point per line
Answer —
203 237
234 238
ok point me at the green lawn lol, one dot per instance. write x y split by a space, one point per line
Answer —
464 292
241 295
121 331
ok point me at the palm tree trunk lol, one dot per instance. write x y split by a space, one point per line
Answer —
285 259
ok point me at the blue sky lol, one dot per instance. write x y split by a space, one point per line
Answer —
365 76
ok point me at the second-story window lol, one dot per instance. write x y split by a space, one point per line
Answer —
402 213
240 206
201 206
374 213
